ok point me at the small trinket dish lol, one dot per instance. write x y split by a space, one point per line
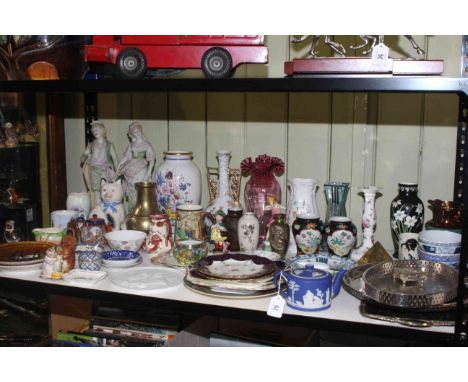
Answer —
84 277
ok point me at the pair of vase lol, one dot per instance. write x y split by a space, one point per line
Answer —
338 233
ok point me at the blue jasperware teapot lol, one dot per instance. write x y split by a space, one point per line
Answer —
310 289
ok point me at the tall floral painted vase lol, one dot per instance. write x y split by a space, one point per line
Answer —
406 214
262 191
302 202
248 232
307 234
369 222
178 181
341 236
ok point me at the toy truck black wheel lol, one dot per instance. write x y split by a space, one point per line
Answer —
217 63
131 64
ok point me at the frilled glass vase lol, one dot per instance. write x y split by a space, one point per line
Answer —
262 192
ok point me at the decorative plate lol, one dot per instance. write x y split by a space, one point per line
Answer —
235 266
122 263
23 253
148 279
21 268
258 284
120 255
227 293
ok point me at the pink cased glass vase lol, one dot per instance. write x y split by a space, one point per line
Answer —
262 191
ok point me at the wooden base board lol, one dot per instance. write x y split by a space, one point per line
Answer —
362 65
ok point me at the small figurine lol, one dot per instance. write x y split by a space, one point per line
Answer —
111 209
137 163
98 162
59 259
217 232
11 233
11 135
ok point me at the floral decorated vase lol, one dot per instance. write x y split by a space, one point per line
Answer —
248 232
307 234
341 236
262 192
178 181
406 213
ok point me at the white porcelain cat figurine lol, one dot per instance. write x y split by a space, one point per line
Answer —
111 208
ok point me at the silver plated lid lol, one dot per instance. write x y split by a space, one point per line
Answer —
410 283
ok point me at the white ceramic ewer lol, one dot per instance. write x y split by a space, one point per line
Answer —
302 201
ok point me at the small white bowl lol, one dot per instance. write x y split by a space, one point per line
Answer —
129 240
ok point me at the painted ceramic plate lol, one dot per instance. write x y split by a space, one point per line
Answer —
258 284
235 266
226 293
122 263
21 268
148 279
23 253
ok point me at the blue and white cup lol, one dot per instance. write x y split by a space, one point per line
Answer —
89 257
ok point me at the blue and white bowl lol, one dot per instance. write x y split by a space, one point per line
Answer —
437 237
440 242
120 258
450 259
441 249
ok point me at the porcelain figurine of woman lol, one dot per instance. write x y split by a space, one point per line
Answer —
137 163
98 161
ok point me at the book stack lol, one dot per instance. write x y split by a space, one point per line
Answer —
113 328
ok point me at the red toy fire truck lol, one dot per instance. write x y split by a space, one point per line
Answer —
217 56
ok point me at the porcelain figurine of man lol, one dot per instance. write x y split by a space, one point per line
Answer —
98 161
137 163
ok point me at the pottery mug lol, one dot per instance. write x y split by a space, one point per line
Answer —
189 222
61 218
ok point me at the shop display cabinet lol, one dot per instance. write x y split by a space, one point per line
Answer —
247 309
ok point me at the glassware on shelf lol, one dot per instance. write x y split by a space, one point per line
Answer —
336 194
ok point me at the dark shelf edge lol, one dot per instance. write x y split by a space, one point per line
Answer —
287 84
